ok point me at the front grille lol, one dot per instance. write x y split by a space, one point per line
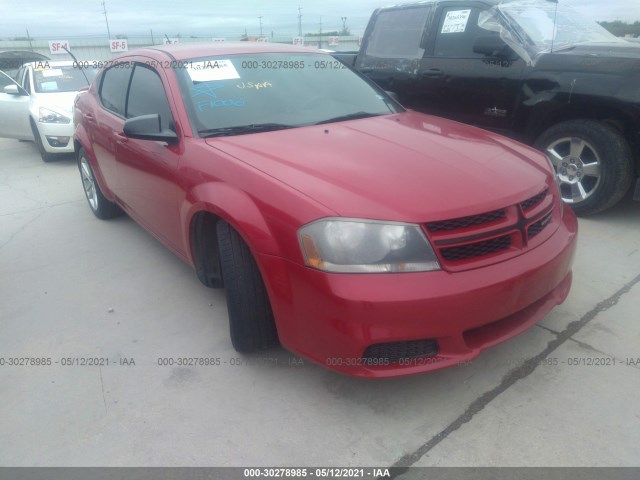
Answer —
533 201
396 351
478 249
492 236
537 227
464 222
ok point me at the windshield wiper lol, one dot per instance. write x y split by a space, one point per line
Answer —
243 129
351 116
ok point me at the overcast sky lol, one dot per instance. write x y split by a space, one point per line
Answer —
79 18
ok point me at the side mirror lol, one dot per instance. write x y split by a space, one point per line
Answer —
492 46
14 90
148 127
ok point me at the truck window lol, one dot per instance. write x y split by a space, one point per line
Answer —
457 30
398 33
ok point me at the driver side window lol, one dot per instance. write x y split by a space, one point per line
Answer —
457 31
147 96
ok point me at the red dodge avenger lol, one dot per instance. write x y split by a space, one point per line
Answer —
373 240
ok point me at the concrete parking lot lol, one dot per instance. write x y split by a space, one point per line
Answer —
565 393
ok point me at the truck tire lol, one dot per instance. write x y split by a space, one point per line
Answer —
251 322
99 205
593 163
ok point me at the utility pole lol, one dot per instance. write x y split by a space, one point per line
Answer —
152 40
260 17
104 10
29 37
320 42
344 25
299 21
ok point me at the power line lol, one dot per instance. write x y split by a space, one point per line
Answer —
104 10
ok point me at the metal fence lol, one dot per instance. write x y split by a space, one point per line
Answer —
100 49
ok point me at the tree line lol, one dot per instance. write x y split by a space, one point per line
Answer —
620 28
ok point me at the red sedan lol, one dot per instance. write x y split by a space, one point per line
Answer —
372 240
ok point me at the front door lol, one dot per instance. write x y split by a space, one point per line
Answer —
14 110
146 169
466 86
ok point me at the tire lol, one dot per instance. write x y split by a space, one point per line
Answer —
593 163
251 322
46 156
99 205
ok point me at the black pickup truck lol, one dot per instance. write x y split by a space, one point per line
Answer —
533 70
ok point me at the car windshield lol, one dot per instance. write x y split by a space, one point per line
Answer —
53 79
536 19
235 94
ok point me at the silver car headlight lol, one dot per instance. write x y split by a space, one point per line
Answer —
49 116
342 245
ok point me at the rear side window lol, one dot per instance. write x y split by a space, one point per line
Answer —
398 33
147 96
113 89
457 31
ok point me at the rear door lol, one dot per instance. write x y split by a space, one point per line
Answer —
394 48
105 125
14 110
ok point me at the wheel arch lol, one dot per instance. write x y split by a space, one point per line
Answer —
541 119
205 206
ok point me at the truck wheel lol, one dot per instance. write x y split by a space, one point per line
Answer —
100 206
46 156
593 163
251 322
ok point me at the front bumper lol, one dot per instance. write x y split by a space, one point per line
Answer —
331 319
50 131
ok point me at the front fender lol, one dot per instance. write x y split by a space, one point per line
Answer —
235 207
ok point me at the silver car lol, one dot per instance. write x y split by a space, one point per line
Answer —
38 104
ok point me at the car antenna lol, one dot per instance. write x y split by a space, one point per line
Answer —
77 63
555 24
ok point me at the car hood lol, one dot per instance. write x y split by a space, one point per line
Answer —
405 167
61 102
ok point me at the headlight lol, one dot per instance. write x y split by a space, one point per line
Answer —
49 116
366 246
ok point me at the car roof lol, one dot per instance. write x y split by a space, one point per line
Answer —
197 50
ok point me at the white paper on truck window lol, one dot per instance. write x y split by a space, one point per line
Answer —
212 70
456 21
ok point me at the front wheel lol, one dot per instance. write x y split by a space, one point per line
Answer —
593 163
251 322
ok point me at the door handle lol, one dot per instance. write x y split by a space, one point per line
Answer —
432 73
120 138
